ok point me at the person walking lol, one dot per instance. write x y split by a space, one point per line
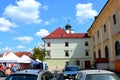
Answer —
14 69
8 71
2 67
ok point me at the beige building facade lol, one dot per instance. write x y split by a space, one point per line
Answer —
105 32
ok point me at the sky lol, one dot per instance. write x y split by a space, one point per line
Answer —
23 23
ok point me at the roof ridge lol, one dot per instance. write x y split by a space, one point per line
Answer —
61 33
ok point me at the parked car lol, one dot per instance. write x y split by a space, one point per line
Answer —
59 76
118 73
31 74
2 75
96 75
70 72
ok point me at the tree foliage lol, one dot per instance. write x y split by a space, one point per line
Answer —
39 53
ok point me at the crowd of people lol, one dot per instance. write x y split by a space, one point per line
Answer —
8 70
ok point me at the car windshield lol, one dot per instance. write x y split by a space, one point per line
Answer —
72 68
22 77
102 77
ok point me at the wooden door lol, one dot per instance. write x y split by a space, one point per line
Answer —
87 64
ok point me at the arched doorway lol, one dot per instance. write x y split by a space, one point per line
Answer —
106 52
117 48
99 53
94 54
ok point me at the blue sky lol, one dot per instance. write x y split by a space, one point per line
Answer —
24 22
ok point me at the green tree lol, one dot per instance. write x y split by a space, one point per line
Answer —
39 53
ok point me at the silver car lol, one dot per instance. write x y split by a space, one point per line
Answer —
96 75
31 74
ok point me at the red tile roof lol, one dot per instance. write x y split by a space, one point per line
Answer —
60 33
20 54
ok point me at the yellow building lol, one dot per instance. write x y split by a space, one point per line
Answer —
105 32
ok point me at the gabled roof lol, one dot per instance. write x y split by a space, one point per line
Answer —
60 33
19 54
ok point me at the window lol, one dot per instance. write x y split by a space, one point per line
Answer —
86 43
104 28
99 76
67 63
48 44
77 62
114 19
94 55
117 48
47 76
93 38
99 53
87 53
66 53
66 44
98 34
78 76
106 52
48 53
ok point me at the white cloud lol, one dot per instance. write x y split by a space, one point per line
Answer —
30 50
42 33
45 7
24 39
20 47
41 45
25 11
50 21
85 12
6 49
6 25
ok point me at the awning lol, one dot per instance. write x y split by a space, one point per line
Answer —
101 60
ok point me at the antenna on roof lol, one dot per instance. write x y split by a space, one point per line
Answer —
68 21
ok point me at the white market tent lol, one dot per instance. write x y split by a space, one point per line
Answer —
26 57
38 60
12 58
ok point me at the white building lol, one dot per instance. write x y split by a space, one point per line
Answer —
64 48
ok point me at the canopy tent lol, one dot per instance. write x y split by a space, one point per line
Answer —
20 60
12 58
38 60
26 57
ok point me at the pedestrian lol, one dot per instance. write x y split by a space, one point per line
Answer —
14 69
2 67
56 70
8 71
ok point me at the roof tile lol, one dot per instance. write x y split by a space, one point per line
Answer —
20 54
60 33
